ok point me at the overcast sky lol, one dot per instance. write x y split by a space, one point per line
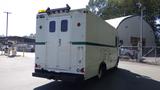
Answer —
22 21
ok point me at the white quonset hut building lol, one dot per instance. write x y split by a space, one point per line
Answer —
128 28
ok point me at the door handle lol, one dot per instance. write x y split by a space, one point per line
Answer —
59 41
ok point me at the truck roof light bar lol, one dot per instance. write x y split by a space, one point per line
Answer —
41 11
58 10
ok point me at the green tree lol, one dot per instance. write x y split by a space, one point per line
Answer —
117 8
97 6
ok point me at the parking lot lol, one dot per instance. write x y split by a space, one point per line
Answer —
16 74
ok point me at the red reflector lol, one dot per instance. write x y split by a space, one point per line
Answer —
82 70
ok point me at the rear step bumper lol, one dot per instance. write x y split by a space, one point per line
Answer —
58 76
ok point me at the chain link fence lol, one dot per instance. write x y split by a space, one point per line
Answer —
150 55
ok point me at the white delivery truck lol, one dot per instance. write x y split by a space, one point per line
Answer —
73 45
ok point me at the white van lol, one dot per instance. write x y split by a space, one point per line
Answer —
73 45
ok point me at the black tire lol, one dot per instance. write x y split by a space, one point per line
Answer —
102 71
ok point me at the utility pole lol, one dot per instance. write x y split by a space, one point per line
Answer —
7 13
140 44
6 50
141 35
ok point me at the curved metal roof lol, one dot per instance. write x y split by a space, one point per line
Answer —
116 21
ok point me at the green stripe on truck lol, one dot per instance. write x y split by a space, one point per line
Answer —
92 44
40 43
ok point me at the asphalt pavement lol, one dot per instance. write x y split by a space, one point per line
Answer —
16 74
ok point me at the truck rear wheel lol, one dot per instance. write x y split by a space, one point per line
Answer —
102 71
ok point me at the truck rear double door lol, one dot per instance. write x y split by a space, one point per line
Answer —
58 43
